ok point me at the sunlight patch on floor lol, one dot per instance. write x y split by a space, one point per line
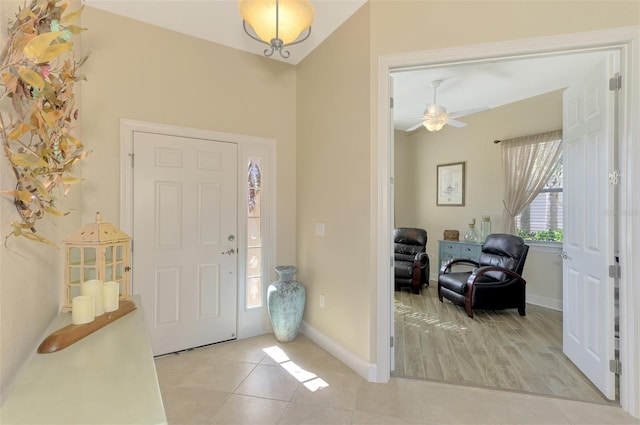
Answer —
402 309
309 379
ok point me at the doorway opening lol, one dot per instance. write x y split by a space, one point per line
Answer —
506 98
625 40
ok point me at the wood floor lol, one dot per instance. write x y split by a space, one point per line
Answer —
498 349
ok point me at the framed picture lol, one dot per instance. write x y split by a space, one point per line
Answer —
450 189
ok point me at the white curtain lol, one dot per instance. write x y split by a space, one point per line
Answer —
528 162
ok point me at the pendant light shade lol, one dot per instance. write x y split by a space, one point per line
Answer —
277 23
435 117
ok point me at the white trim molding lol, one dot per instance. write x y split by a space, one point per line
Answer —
625 40
361 367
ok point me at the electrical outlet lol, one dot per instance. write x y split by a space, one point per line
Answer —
321 301
319 227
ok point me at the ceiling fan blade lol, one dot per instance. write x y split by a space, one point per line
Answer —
455 123
465 112
415 127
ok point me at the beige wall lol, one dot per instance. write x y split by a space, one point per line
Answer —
31 273
406 185
474 145
333 184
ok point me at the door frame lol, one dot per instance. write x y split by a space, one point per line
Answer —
250 322
627 41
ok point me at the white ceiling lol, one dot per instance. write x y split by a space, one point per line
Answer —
485 84
479 84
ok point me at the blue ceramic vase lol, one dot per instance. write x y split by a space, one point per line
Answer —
285 301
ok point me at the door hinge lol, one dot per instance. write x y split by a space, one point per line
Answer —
131 155
614 177
615 366
391 102
615 82
614 271
391 261
391 341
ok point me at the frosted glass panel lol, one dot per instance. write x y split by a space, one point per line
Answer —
89 274
75 256
254 232
89 256
254 292
254 262
74 291
74 274
108 255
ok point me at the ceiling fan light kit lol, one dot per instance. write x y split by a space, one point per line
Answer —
435 117
277 23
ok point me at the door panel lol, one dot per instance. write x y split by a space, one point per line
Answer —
588 227
185 212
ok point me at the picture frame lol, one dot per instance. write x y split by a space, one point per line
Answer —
450 190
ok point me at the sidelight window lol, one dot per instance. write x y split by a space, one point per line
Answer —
255 278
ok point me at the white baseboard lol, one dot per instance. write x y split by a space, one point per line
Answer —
551 303
367 370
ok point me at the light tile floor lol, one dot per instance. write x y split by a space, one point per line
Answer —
260 381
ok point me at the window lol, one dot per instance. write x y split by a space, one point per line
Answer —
254 235
541 220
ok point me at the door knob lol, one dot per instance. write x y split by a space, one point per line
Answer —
229 252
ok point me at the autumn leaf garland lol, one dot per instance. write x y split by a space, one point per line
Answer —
37 74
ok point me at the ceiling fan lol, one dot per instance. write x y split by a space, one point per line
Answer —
436 116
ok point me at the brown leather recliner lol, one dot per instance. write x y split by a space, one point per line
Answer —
496 281
411 265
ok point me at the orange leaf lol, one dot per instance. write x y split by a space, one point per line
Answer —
18 132
23 195
10 81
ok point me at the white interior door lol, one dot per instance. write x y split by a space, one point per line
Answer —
185 239
588 304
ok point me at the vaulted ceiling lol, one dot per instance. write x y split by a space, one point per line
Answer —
481 84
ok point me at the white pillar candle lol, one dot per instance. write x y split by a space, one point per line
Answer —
82 310
93 288
111 296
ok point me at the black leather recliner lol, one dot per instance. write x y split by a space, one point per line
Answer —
411 265
496 281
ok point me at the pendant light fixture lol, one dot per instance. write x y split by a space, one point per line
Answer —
435 117
277 23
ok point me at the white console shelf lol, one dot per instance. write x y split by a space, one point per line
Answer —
108 377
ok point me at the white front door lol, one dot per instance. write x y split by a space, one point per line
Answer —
588 306
185 239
